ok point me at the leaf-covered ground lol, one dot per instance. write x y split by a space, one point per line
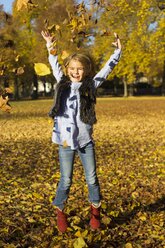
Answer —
130 150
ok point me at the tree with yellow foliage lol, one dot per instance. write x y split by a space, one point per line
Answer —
140 26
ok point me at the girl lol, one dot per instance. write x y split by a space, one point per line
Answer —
73 112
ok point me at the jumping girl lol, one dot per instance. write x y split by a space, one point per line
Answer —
73 112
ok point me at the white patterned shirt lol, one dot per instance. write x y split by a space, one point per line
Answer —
68 129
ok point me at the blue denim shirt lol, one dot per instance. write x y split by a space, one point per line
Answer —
68 129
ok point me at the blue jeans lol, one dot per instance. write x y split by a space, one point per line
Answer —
66 157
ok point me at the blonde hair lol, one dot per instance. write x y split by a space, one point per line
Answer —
84 59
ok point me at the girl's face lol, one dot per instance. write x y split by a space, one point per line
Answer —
75 71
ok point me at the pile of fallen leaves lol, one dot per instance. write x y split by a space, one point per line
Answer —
130 150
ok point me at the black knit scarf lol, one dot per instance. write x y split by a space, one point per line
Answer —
87 99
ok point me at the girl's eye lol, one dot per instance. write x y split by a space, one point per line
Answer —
80 68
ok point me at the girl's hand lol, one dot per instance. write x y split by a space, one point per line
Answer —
47 37
117 43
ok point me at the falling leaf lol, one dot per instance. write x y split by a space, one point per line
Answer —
80 7
65 22
105 32
27 4
4 106
51 28
73 23
1 72
17 58
58 27
31 5
53 51
41 69
21 4
19 70
46 23
64 55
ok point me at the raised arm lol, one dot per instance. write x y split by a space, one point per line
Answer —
53 58
110 64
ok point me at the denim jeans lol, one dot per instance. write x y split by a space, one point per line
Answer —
66 157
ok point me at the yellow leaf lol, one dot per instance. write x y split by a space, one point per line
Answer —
73 23
41 69
103 205
143 218
17 58
20 70
53 51
84 234
79 243
30 219
106 220
36 195
64 55
135 194
128 245
51 28
21 4
58 27
5 230
78 234
4 106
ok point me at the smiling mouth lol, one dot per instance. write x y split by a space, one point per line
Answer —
75 77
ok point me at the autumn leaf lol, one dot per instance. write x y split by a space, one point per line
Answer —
17 58
64 55
79 243
4 105
128 245
19 70
41 69
20 4
51 28
4 100
53 51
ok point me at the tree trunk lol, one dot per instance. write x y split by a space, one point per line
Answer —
131 89
16 88
23 92
35 87
115 88
44 84
125 86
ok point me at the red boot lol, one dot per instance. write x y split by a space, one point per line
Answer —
62 223
95 217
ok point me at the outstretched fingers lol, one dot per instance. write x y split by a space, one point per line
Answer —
47 37
117 43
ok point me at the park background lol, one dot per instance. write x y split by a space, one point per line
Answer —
129 135
83 27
